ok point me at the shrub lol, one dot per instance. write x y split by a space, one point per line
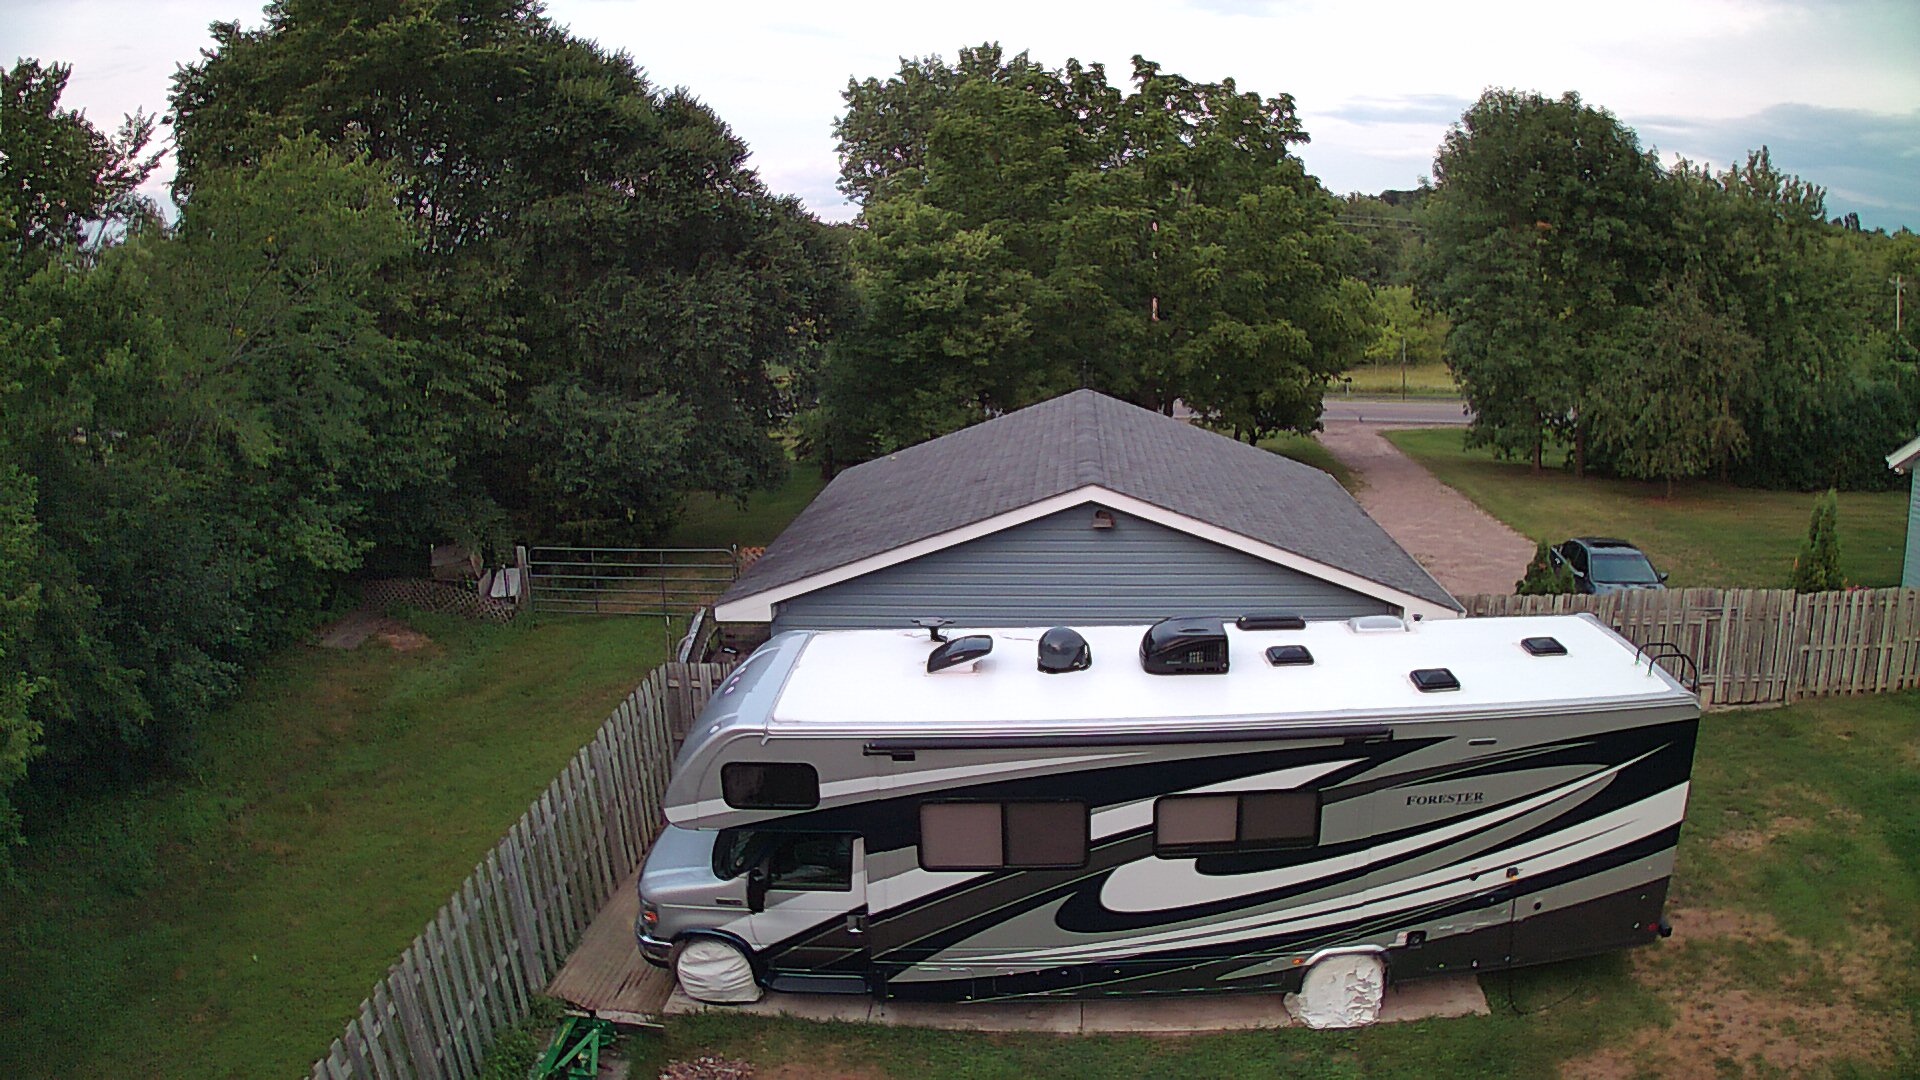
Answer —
1543 578
1818 567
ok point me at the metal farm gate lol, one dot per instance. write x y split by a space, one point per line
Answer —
666 583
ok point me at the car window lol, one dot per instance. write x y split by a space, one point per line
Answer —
1624 568
1577 556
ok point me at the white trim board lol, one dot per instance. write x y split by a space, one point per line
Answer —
758 607
1902 459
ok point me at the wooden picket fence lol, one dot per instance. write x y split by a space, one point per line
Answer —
1757 646
501 936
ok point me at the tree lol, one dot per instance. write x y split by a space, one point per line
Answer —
1544 221
1665 406
1817 569
579 232
59 175
19 603
1406 329
1031 230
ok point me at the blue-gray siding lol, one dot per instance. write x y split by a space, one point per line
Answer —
1060 569
1910 577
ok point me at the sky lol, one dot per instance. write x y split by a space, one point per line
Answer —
1832 87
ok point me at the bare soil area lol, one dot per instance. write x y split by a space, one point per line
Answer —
355 627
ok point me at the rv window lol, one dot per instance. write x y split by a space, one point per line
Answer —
812 862
1252 821
960 836
797 861
753 785
1046 834
994 836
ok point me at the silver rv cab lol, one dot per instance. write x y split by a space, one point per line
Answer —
1197 805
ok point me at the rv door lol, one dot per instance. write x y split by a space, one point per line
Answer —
807 892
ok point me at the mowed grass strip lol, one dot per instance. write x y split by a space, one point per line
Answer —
1706 534
1797 902
1388 380
226 920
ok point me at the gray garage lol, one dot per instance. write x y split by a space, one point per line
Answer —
1081 509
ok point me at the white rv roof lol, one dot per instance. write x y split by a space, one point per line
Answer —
875 681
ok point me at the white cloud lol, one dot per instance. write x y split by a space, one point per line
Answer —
1373 82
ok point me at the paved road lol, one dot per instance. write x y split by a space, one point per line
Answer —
1393 412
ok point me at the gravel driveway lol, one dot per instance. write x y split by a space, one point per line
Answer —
1466 549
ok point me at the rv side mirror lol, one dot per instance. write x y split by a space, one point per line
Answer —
757 887
1663 575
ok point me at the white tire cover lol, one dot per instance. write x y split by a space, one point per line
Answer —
1340 992
714 971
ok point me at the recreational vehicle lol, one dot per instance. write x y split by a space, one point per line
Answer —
1200 805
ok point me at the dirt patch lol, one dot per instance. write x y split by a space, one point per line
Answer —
403 638
1755 839
349 630
1720 1027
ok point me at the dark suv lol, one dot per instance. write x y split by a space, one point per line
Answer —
1603 565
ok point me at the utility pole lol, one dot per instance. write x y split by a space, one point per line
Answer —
1403 369
1899 286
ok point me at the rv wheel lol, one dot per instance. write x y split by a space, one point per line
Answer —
1343 990
714 971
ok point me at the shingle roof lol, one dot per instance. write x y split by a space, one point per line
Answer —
1069 442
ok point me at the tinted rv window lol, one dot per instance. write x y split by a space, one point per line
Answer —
1254 820
753 785
995 836
1046 834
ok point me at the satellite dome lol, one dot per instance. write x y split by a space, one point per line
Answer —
1062 649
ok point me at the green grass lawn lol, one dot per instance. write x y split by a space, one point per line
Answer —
1798 879
718 521
1386 380
1706 534
225 921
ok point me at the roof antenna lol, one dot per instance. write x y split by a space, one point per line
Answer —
933 626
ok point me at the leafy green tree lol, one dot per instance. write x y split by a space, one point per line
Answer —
1665 406
1405 324
19 603
1031 230
59 175
579 230
1817 569
1544 221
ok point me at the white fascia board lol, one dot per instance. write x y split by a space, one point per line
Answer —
1902 459
758 607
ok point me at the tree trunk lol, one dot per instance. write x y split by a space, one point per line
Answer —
1537 440
1579 450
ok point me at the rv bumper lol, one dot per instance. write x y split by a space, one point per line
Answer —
657 953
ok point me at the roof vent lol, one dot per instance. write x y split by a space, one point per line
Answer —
1185 646
959 654
1289 656
1376 624
1270 621
1062 649
1543 646
1433 679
